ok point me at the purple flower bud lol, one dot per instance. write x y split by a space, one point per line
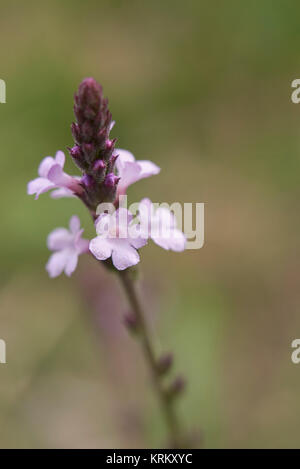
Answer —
99 168
109 188
112 162
109 144
78 157
75 152
111 180
99 165
89 151
76 132
88 181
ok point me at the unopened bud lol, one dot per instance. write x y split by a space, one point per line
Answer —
131 322
164 363
88 181
89 151
109 144
112 162
176 387
99 168
111 180
76 132
78 157
75 152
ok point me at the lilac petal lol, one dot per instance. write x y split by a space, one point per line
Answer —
124 255
146 202
81 245
100 248
175 241
122 214
58 177
131 171
120 221
129 174
62 192
148 168
138 234
38 186
60 158
103 224
146 211
59 239
138 242
61 179
57 263
45 166
124 157
74 224
165 218
71 263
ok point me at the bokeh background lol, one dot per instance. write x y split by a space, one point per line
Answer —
203 89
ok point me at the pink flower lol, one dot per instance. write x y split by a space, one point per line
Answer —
68 245
114 239
130 170
160 225
52 176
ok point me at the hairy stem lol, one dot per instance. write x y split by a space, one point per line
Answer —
164 396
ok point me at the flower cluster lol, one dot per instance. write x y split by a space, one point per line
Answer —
107 172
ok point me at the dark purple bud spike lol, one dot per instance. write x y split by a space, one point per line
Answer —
93 152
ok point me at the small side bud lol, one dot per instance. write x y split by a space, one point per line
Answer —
164 363
111 180
99 168
110 187
112 162
109 144
176 387
78 157
76 132
88 181
131 322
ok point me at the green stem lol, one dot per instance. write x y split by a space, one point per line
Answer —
166 401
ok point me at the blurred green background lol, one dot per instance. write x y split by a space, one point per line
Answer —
203 89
